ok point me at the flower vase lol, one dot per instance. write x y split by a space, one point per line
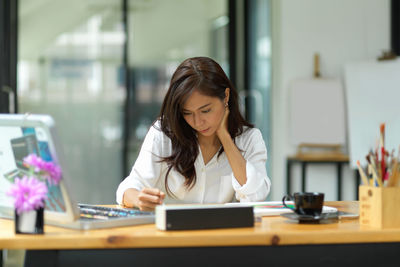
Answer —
29 222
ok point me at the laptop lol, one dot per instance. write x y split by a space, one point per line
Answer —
25 134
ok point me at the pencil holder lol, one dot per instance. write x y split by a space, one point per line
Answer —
380 206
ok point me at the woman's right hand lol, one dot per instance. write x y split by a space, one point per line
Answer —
146 199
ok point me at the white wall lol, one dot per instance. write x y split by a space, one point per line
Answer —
341 31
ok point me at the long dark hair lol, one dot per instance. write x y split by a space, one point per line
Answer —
205 75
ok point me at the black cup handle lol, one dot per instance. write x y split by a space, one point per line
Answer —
287 197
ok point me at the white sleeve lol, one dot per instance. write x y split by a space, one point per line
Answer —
147 168
258 183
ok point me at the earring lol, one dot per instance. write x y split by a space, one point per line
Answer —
226 105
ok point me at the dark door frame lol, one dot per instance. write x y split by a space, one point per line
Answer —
8 55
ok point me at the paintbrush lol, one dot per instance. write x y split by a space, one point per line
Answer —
369 167
362 173
370 177
382 143
395 170
374 173
393 179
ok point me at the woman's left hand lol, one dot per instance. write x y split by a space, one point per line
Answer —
223 127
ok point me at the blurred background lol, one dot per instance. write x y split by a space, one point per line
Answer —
102 67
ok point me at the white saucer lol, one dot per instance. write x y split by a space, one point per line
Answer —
310 218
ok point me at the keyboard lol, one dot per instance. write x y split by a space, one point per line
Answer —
98 212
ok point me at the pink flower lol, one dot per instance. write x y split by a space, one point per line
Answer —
48 170
34 161
29 194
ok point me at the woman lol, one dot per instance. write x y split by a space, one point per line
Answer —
200 150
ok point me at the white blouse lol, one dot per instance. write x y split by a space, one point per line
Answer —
215 181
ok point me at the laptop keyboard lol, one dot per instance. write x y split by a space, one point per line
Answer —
101 213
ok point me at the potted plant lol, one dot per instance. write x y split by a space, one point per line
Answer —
30 194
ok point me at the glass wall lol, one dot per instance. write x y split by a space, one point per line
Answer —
163 34
70 65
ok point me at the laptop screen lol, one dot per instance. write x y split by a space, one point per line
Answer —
31 140
34 136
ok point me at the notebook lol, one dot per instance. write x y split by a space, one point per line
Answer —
22 135
275 208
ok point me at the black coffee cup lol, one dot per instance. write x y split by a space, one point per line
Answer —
306 203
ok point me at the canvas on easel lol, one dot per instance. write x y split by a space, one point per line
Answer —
373 97
317 112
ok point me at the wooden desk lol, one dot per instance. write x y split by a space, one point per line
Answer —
268 242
